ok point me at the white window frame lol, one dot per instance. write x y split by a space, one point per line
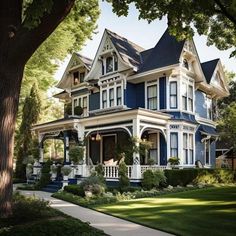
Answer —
188 148
177 135
148 84
107 88
176 95
207 141
157 146
81 97
187 82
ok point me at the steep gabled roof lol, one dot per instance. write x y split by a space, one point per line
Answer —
208 68
166 52
145 54
87 61
129 51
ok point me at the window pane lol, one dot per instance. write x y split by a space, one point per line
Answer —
185 140
173 88
184 103
190 91
109 64
190 141
75 102
104 95
152 97
111 93
174 140
185 156
190 157
118 92
173 101
84 102
81 76
184 89
152 91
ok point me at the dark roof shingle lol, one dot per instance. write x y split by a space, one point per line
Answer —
166 52
208 68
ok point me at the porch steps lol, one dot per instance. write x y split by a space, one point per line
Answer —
53 187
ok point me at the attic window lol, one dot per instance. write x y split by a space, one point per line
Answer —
76 77
109 64
185 64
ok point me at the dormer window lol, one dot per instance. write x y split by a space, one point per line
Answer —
185 64
109 64
76 77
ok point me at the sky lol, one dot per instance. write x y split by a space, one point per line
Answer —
145 35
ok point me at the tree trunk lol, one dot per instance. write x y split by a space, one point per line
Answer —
10 81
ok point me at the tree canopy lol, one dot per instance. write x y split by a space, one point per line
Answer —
214 18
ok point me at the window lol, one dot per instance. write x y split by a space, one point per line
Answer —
185 64
104 99
118 96
190 98
76 78
188 149
153 151
184 96
173 94
185 148
115 62
207 151
82 102
81 77
209 108
109 64
152 97
111 97
174 144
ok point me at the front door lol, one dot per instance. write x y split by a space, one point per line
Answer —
108 147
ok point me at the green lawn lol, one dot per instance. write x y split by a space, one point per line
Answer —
201 212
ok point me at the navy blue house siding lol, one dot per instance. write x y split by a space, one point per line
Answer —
163 150
135 95
94 101
162 92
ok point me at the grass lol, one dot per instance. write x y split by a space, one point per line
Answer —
34 217
210 211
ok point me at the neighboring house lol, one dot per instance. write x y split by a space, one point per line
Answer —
163 94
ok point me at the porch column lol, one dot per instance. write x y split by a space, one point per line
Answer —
66 147
136 170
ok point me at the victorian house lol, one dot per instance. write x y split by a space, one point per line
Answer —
164 95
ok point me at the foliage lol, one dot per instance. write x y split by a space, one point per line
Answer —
25 143
153 179
199 176
78 110
66 170
174 161
123 178
94 184
54 169
76 154
216 19
45 177
68 109
227 126
39 219
151 161
75 189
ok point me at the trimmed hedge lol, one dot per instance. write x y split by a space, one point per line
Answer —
183 177
75 189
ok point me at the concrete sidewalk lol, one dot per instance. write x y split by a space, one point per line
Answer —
109 224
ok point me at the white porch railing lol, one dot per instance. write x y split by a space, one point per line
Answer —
113 171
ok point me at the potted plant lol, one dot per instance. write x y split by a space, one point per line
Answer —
151 161
76 155
66 170
174 161
78 111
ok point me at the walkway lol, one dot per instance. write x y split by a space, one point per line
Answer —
110 225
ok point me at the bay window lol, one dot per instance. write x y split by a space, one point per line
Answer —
188 145
174 144
190 98
82 102
173 95
184 96
118 96
104 99
152 97
187 96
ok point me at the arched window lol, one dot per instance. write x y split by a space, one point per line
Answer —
185 64
109 64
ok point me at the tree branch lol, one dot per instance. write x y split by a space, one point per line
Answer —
28 40
224 11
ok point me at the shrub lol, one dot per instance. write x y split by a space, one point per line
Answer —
93 184
45 175
78 110
174 161
153 179
75 189
76 154
123 178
